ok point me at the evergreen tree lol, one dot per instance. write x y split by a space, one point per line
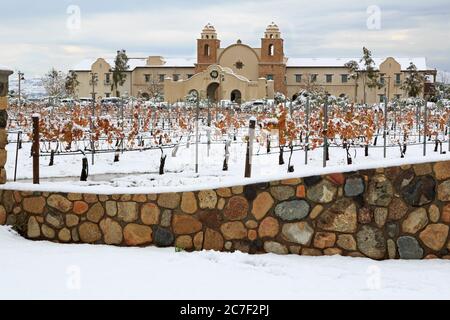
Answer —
119 71
371 76
54 83
71 83
414 81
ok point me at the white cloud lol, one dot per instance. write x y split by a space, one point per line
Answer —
313 28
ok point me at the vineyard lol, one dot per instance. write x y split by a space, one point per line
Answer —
135 145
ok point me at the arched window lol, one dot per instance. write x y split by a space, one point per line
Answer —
271 50
207 37
271 36
207 52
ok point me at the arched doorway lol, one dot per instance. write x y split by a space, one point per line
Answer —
236 96
212 92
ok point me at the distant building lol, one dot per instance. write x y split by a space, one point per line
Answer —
241 73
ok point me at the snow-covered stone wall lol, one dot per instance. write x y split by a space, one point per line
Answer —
400 212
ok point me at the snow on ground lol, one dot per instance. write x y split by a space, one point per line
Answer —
137 172
44 270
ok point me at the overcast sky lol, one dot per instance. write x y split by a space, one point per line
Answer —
37 35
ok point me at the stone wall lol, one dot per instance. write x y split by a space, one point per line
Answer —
401 212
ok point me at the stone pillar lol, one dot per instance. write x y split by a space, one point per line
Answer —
270 89
4 75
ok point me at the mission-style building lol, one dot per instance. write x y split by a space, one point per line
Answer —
241 73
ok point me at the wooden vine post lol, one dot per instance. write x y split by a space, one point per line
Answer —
249 156
196 135
325 133
385 127
307 130
19 137
425 128
448 130
35 149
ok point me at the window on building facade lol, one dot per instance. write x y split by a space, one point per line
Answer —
298 78
314 78
147 78
162 77
207 52
271 50
107 78
398 79
382 79
344 78
107 95
269 77
176 77
329 78
382 98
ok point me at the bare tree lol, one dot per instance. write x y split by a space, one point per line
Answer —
154 90
309 83
443 77
54 83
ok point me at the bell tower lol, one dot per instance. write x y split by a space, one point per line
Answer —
207 48
273 63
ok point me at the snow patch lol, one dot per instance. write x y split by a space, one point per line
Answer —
106 272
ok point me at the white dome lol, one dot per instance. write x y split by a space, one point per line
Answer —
209 28
272 28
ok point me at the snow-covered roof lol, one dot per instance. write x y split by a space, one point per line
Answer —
5 68
134 63
420 62
180 62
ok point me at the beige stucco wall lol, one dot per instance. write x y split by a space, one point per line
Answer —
228 81
336 87
389 68
103 88
136 83
140 84
241 53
